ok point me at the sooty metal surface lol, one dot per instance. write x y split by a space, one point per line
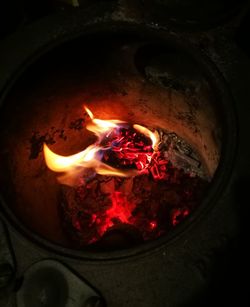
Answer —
49 283
173 272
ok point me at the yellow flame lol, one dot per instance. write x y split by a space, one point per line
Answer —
90 114
59 163
75 165
101 126
152 135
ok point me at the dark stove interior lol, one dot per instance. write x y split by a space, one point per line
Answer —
168 220
150 83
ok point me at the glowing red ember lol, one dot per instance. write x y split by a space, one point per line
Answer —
123 181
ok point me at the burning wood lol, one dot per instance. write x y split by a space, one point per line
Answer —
134 177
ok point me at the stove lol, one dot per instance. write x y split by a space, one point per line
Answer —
124 161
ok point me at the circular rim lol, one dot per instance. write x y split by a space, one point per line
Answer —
47 43
196 24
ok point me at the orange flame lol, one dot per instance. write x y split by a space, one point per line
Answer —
88 160
100 126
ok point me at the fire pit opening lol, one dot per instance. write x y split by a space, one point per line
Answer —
109 141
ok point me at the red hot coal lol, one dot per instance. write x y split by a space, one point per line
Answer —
162 185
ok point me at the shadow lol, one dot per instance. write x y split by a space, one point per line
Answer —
229 284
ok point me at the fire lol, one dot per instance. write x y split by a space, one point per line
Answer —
104 200
100 126
112 138
149 134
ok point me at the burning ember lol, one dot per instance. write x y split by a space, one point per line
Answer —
133 180
131 148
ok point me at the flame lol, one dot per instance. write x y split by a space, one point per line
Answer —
100 126
90 114
59 163
153 136
88 162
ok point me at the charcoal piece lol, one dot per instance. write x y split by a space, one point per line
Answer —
163 204
181 154
107 209
120 236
